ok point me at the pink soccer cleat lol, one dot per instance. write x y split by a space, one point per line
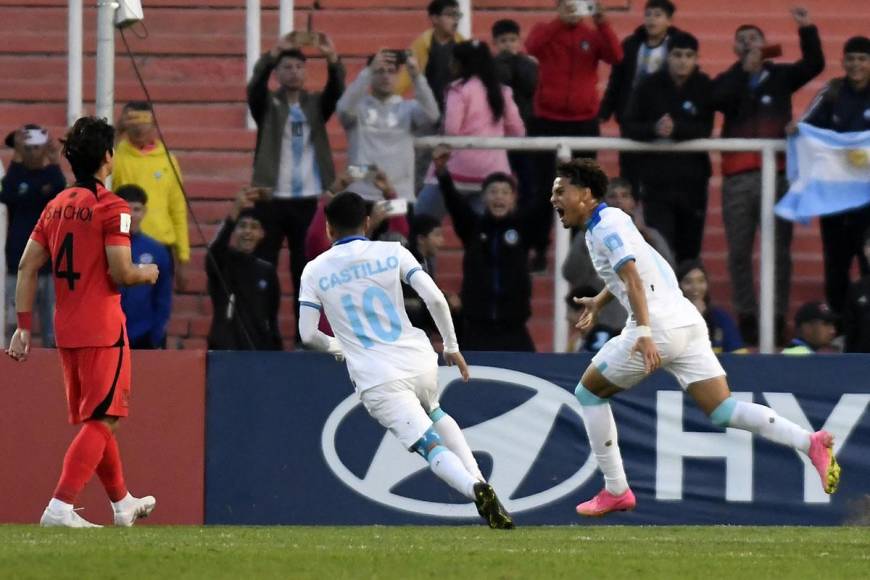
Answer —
605 502
822 455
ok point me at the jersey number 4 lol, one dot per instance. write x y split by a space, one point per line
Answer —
63 264
368 306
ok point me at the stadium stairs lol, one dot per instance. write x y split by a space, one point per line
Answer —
194 64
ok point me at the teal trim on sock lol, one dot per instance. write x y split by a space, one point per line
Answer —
436 451
587 398
437 415
721 415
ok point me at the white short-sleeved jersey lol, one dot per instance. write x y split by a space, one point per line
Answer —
358 285
613 240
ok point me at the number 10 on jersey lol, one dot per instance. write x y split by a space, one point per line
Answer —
371 295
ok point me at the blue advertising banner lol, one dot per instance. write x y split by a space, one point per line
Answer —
287 442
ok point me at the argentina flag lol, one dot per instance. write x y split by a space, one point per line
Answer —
829 173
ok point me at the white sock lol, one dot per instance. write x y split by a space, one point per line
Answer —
452 436
121 505
446 465
765 422
58 506
601 430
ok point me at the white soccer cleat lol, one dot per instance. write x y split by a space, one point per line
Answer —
137 507
64 519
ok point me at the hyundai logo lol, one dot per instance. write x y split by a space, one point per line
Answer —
514 440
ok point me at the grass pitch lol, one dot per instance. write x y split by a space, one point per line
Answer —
406 553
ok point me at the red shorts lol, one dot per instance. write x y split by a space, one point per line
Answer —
97 381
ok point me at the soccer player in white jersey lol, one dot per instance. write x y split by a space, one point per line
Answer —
663 330
358 285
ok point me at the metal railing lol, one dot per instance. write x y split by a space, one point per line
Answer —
565 146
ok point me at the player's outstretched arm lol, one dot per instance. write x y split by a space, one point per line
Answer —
437 305
33 258
637 299
124 272
312 337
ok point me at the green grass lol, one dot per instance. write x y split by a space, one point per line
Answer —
327 553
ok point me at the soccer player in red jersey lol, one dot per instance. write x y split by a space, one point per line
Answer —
85 232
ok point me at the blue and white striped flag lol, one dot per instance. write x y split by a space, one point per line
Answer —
829 173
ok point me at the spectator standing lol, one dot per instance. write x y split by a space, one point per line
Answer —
477 105
569 50
724 335
380 124
244 289
141 159
33 179
146 307
856 318
843 106
496 283
293 156
644 53
755 97
674 104
815 329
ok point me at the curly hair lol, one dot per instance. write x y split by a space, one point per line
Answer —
584 173
86 145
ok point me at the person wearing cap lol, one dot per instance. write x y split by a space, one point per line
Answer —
147 306
674 104
33 179
244 289
843 105
856 316
815 329
141 159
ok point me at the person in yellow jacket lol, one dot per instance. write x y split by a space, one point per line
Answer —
140 159
433 49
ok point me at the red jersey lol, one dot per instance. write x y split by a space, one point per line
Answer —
75 228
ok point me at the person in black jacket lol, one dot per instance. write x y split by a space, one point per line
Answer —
644 54
496 284
244 289
674 104
754 96
856 317
843 105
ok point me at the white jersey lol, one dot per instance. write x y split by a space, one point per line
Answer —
613 240
358 285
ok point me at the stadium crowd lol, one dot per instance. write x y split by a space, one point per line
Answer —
498 202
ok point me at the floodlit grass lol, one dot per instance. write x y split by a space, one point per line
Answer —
469 552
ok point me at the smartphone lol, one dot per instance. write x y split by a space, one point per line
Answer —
771 51
584 7
400 56
360 172
395 207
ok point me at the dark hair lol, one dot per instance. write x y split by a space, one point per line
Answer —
250 213
857 44
584 173
86 145
499 177
687 266
346 212
138 106
505 26
475 60
436 7
683 40
291 53
620 183
423 225
666 5
132 193
743 27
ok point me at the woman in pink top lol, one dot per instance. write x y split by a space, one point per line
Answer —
475 105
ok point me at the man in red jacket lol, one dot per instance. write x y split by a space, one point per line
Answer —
568 49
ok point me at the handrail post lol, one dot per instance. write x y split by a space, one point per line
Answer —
74 62
252 43
105 97
285 17
560 284
768 251
465 23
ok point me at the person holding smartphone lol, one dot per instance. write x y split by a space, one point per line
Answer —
755 95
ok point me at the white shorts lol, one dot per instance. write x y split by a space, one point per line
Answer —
686 353
404 406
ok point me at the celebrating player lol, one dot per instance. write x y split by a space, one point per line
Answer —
663 330
358 285
85 231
